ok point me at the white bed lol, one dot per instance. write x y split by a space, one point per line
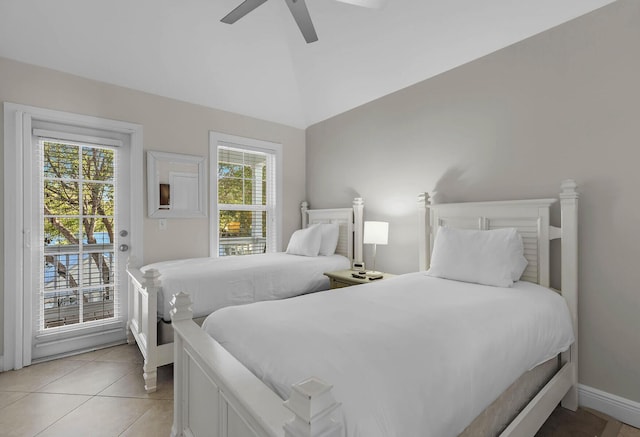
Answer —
215 283
251 278
413 334
217 395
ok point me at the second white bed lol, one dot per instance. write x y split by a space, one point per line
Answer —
443 349
215 283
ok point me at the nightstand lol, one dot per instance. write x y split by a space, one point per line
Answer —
344 278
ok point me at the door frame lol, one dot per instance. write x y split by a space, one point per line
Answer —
17 135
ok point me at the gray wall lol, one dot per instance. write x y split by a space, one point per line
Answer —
562 104
169 125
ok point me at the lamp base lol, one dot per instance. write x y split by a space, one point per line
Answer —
374 274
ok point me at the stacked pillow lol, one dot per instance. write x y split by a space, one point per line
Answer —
318 239
494 257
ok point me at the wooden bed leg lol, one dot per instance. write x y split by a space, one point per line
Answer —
313 405
570 400
130 338
149 328
150 377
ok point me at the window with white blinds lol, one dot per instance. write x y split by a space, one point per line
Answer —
248 191
77 273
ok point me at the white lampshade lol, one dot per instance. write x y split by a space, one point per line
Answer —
376 232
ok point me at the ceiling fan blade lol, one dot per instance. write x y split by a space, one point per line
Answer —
366 3
243 9
300 13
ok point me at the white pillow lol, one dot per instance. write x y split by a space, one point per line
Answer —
305 242
492 257
330 234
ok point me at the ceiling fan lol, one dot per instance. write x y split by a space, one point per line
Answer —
299 11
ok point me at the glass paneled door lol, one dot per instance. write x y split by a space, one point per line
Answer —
80 252
78 234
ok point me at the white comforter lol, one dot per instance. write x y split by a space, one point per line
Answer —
214 283
409 356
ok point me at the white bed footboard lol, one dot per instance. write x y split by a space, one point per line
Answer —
216 396
142 322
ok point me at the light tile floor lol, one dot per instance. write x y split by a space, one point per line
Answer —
629 431
99 393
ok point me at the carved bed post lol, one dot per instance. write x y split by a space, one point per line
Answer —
150 367
312 404
358 222
180 310
569 208
424 232
304 207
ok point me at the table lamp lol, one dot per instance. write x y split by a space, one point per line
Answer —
375 233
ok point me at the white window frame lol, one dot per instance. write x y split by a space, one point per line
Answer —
251 145
18 121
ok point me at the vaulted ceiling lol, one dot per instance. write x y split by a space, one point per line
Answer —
261 66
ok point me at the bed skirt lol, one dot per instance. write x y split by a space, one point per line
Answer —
497 416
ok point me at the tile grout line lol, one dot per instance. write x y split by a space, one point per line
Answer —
612 429
64 415
61 376
26 393
141 416
35 390
115 382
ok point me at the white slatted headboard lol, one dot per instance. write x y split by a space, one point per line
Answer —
529 217
350 222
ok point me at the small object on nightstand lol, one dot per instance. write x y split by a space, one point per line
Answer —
358 275
374 277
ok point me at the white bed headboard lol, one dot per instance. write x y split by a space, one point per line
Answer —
529 217
350 221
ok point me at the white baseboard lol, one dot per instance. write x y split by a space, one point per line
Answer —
624 410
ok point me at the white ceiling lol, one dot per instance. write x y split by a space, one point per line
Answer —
261 66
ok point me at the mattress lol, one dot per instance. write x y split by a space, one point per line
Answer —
214 283
408 356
